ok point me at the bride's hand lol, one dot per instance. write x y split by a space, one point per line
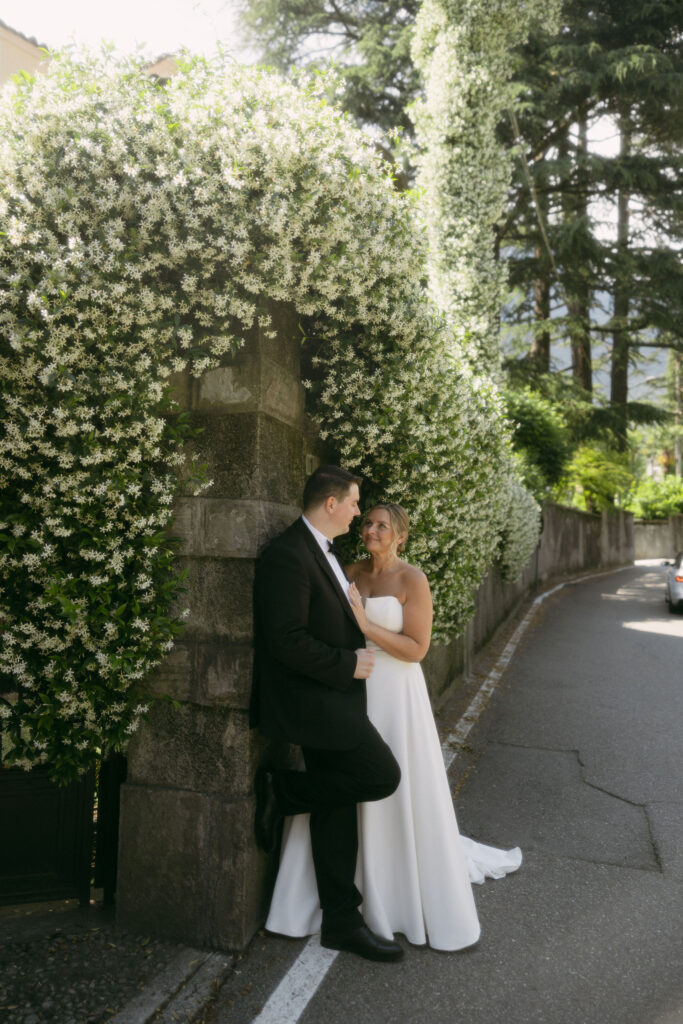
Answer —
357 606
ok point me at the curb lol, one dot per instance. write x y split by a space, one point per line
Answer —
178 992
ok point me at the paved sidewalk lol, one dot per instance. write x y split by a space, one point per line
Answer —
62 964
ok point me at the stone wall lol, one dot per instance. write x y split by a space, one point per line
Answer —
188 865
658 538
572 542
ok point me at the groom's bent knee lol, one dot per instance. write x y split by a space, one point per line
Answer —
376 770
391 782
385 779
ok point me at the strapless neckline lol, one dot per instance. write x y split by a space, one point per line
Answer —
384 597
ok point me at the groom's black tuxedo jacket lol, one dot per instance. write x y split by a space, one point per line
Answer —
305 638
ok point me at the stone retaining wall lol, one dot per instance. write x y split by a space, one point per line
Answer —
571 542
658 538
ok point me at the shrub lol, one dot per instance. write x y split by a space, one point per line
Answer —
656 499
596 478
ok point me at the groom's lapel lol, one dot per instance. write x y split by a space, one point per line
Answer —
317 553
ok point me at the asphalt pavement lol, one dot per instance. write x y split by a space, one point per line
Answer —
577 759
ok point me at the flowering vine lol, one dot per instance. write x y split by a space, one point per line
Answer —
145 228
462 48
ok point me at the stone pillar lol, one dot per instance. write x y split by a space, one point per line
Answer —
189 868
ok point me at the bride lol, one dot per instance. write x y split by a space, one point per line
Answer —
414 869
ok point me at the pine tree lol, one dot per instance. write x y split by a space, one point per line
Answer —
624 63
368 39
594 258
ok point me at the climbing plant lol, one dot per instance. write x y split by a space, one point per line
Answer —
145 227
463 49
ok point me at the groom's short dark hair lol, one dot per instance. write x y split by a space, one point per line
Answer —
328 482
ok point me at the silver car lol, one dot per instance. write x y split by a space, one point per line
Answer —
674 583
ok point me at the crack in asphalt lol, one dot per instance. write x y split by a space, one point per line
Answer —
476 755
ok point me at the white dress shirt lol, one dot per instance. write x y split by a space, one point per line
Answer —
332 559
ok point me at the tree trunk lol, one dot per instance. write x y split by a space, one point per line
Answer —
620 337
540 346
575 278
677 411
579 298
580 339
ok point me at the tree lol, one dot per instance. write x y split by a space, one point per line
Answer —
369 40
542 438
596 478
593 259
624 287
661 445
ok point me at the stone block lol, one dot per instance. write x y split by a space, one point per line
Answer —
285 348
174 676
250 455
281 463
224 528
219 594
231 529
164 841
206 749
189 868
281 395
205 673
239 877
226 389
224 674
180 385
249 385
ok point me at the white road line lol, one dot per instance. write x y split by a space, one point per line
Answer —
299 985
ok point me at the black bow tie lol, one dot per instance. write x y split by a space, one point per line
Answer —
333 549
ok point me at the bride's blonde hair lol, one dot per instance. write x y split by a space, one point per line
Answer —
400 523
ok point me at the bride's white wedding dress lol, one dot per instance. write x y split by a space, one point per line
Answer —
414 869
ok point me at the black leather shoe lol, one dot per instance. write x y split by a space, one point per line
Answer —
268 818
364 943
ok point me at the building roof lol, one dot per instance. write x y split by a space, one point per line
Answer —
29 39
44 46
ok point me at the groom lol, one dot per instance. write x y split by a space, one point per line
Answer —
309 688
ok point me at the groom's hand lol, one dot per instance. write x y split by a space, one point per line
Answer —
364 662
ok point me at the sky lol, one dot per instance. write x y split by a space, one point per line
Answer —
160 26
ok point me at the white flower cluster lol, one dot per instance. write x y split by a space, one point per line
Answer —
462 48
521 529
146 226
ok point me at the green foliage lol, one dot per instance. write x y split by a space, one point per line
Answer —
463 50
541 437
369 41
596 479
610 69
656 499
521 529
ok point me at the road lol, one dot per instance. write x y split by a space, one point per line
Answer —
578 759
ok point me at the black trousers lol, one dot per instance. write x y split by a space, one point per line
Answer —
333 783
